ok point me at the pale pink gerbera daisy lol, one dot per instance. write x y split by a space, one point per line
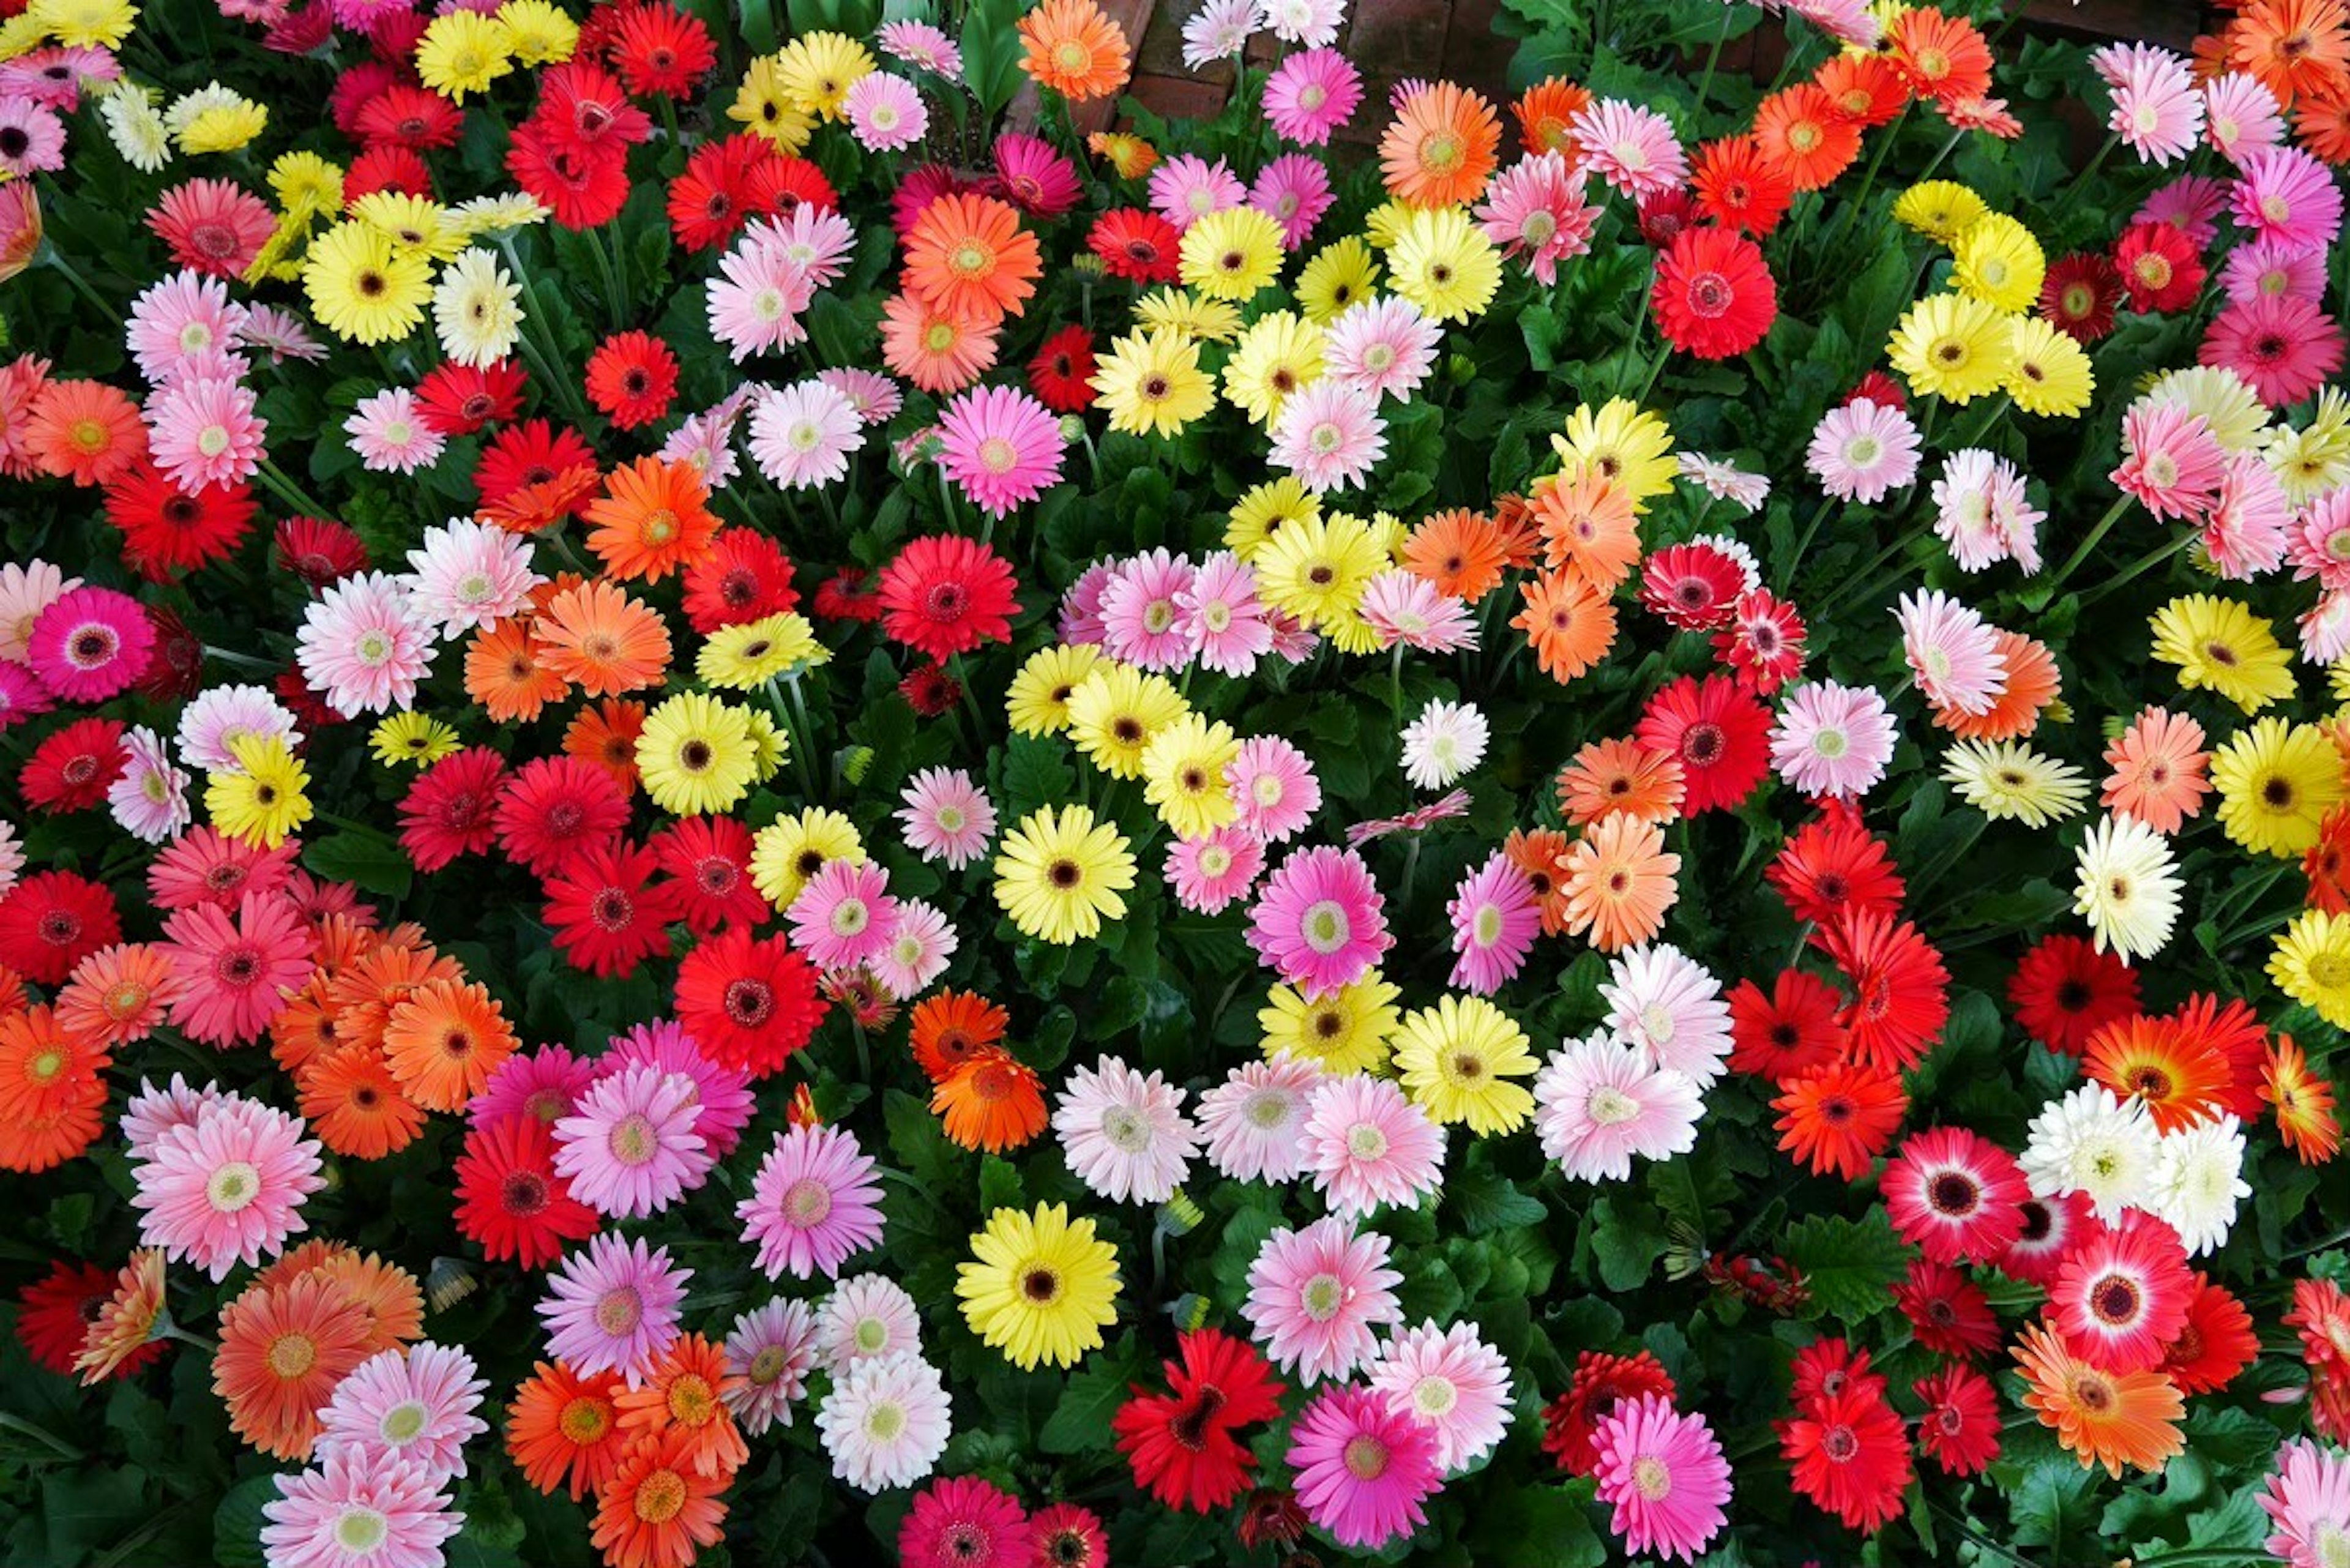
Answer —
866 1317
2240 115
217 718
365 644
1329 434
2245 532
755 302
628 1148
227 1188
1141 611
1631 148
1366 1143
353 1512
1363 1469
1665 1002
1847 21
234 975
1254 1120
1315 1294
2318 540
2170 459
150 801
1219 30
390 436
884 112
1495 915
1953 655
1724 481
278 333
1982 512
2156 112
204 432
2269 267
185 326
919 44
1273 784
802 436
817 1200
1293 191
1664 1475
1079 622
884 1422
1186 188
2324 628
613 1306
26 588
946 817
876 396
1451 1382
1602 1102
1209 872
1535 209
1124 1133
1384 345
1311 94
1001 447
770 1351
2308 1502
1832 741
843 916
87 644
819 238
464 573
1862 450
150 1113
1320 921
1405 608
920 942
1220 616
2283 193
413 1406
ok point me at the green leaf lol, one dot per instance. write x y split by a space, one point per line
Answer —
1849 1265
1628 1237
1484 1201
1539 1527
1080 1422
999 1186
1035 773
374 864
237 1521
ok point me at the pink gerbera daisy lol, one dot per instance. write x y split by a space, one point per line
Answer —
1833 742
355 1511
1601 1102
413 1406
1220 616
1329 434
2170 459
1141 614
1274 787
613 1306
1211 871
843 916
1405 608
2266 268
946 817
2191 204
1384 345
1124 1133
2122 1292
1034 175
817 1200
1631 147
1664 1475
236 975
216 226
2283 193
1956 1194
769 1354
962 1521
2318 540
1315 1295
1363 1470
755 301
1953 655
2282 346
1451 1382
884 112
1293 191
919 943
1982 514
1320 921
919 44
364 644
2156 113
2308 1502
2240 115
1862 450
1186 188
227 1188
389 436
1365 1143
1311 94
1001 447
87 644
1254 1121
31 138
802 436
1535 209
204 432
628 1148
1495 915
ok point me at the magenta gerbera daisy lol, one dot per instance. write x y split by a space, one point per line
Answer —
1320 920
1363 1470
613 1306
1001 447
1496 915
87 644
844 916
1664 1475
628 1148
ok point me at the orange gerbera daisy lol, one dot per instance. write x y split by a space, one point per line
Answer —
2032 686
389 1300
1620 882
532 508
356 1105
1514 527
2322 122
1941 58
117 994
1544 110
1609 776
1438 150
968 258
653 519
606 734
1129 156
1589 528
938 352
992 1102
85 432
1460 552
364 993
1570 625
1839 1119
1804 136
2297 47
504 674
563 1429
297 1263
2303 1102
1866 89
44 1066
2159 770
2104 1417
2179 1073
1075 49
442 1041
1536 852
283 1348
126 1320
950 1027
601 640
685 1396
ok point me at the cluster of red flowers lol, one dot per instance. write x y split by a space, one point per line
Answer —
571 155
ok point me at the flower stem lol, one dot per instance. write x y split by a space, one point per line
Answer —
2094 538
42 1435
2145 563
1712 58
1804 543
57 258
277 482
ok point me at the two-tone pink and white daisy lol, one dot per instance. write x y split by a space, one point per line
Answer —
1316 1295
1211 871
946 817
1384 345
802 435
413 1406
365 644
463 575
1320 920
1670 1006
866 1317
1329 434
770 1351
1251 1125
227 1188
1496 915
1365 1145
1124 1133
919 946
884 1422
1220 615
1142 611
1451 1382
844 916
1274 787
1833 742
1863 451
1953 654
1602 1102
613 1306
389 435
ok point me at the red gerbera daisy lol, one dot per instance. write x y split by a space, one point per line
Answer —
744 575
2159 268
2064 990
1900 991
357 85
607 913
2217 1343
319 550
510 1198
582 106
750 1002
1181 1444
1714 296
1692 586
1832 865
71 770
553 807
852 593
1850 1456
581 187
709 858
1840 1118
1793 1031
1959 1428
1956 1194
2233 1030
2050 1227
929 690
52 920
800 184
1827 1367
458 400
2321 1315
451 809
404 115
1601 1383
175 672
2079 293
1061 375
632 378
531 452
2121 1294
1138 245
386 168
1762 646
1876 387
1738 188
1720 735
55 1312
944 595
165 530
1664 215
724 185
661 51
216 226
1950 1312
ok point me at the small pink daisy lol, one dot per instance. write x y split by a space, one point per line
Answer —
2191 204
1404 607
1141 613
152 1112
1186 188
1315 1294
1363 1469
2269 267
1320 920
414 1406
1953 655
1833 742
770 1351
843 916
280 334
921 944
817 238
946 817
1664 1475
876 396
1311 94
1311 22
2284 194
755 302
1862 450
1001 447
365 644
1219 30
867 1317
26 588
613 1306
1601 1102
1124 1133
87 645
721 1095
919 44
2245 531
2156 111
1079 623
1211 871
1451 1382
150 801
1664 1001
817 1201
1495 915
2240 115
227 1188
802 436
1983 512
1293 191
31 138
1273 784
884 112
350 1510
1630 147
2320 540
1220 616
1384 345
1366 1143
1847 21
2171 462
389 435
1329 434
1254 1121
628 1148
2283 346
1535 209
543 1085
204 432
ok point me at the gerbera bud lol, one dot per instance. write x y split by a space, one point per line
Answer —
854 762
801 1111
1179 1216
449 1282
1088 266
1073 428
1191 1311
1460 368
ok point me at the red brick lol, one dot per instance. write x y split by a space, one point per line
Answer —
1186 97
